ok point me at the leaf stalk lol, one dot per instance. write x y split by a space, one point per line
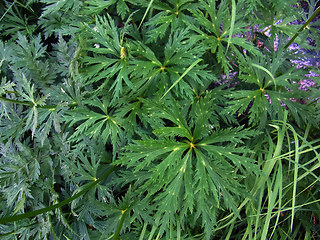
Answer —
55 206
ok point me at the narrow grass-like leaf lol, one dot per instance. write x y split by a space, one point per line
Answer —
258 214
300 206
295 175
230 231
123 216
143 231
7 10
145 13
316 12
279 198
55 206
266 70
178 228
153 230
269 165
233 19
272 196
267 169
185 73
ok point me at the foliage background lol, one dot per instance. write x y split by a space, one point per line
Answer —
174 119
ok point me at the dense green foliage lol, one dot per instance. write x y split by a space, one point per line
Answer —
175 119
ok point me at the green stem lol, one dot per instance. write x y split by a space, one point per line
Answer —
55 206
185 73
7 11
30 104
116 234
16 232
15 101
303 27
267 169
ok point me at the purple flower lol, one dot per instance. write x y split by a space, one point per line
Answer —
305 84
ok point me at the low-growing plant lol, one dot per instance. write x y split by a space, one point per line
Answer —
175 119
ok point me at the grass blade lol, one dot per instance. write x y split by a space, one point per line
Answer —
295 176
280 197
55 206
145 13
179 79
258 214
178 228
266 70
272 196
9 8
143 231
116 235
233 19
303 27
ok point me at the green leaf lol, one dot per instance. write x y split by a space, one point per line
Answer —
53 6
213 26
184 174
12 22
109 60
171 16
96 125
97 6
176 69
269 95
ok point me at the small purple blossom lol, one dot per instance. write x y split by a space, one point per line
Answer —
305 84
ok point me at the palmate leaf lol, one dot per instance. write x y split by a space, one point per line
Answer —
14 21
190 173
251 5
48 119
63 22
97 6
5 87
172 15
11 126
214 27
54 6
129 208
86 168
65 55
6 51
32 115
96 124
272 92
180 52
134 116
274 17
109 60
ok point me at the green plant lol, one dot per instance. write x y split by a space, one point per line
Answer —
174 119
